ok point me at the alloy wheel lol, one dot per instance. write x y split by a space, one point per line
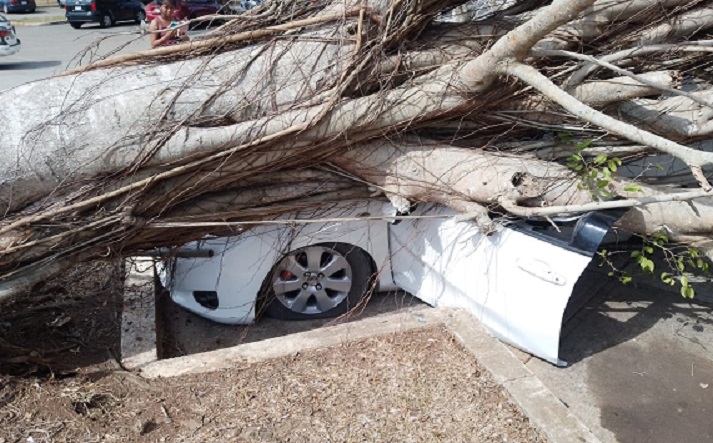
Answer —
312 280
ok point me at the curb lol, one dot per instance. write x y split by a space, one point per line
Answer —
48 13
23 24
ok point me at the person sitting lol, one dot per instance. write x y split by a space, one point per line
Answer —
164 29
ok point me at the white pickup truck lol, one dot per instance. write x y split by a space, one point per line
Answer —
516 281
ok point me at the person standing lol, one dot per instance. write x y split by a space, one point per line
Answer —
164 29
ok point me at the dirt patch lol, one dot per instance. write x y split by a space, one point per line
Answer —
418 386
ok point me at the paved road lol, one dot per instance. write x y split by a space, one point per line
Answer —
50 50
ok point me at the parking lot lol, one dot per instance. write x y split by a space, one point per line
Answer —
50 49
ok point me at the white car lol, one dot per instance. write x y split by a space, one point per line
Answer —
9 43
517 281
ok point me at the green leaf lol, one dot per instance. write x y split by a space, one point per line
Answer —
625 279
688 291
660 236
666 278
635 254
599 159
632 188
684 280
612 165
583 145
602 183
646 264
679 264
648 249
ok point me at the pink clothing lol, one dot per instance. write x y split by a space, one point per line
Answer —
160 26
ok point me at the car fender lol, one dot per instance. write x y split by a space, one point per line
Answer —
235 267
516 281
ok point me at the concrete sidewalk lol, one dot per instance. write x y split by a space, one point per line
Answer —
47 13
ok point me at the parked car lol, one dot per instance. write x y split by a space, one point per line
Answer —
517 281
186 10
9 6
104 12
9 43
240 6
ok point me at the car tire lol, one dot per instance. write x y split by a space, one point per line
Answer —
106 21
317 281
75 25
140 17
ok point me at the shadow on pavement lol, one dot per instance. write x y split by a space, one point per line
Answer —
29 65
613 314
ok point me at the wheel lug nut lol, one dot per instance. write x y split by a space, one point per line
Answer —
307 274
320 275
319 287
305 285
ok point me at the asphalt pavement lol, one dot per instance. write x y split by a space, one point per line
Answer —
640 361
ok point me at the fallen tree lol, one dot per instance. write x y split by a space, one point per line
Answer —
524 108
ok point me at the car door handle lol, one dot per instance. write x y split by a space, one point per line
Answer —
541 270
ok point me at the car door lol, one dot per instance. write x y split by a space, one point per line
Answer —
517 281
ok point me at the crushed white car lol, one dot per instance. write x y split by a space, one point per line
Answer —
9 43
517 281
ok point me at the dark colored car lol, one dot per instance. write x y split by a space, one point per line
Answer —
187 9
18 6
104 12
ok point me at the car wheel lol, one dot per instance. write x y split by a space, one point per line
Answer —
75 25
140 17
106 20
318 281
